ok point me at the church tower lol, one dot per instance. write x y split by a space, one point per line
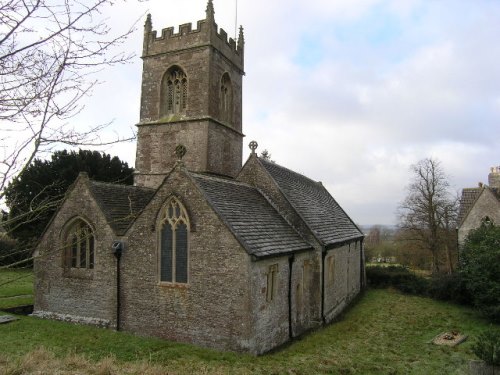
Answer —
191 96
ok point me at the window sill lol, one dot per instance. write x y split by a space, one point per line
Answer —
170 285
78 273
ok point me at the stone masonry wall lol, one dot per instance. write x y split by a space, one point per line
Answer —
213 308
270 317
343 284
304 295
77 293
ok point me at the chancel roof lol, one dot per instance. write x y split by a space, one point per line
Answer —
121 204
322 214
251 217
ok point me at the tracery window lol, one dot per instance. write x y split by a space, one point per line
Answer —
174 233
173 92
226 99
79 249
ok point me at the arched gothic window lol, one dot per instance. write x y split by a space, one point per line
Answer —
226 99
79 246
173 92
174 233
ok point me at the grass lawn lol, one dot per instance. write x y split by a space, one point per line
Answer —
384 333
16 287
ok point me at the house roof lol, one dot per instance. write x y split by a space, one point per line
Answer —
469 198
120 204
322 214
251 217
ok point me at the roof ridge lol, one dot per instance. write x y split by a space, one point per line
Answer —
287 169
115 184
221 179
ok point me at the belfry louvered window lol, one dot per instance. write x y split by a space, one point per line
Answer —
79 250
173 92
174 235
226 99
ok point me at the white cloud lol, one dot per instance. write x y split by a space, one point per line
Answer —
348 92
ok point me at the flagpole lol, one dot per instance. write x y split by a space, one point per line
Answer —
236 21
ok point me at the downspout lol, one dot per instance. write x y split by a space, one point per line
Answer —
291 258
117 252
362 265
323 256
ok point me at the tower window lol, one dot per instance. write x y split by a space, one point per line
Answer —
173 243
226 99
173 92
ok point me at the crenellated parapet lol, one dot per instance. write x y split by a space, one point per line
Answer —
205 34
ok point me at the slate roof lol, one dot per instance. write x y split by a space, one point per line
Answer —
121 204
322 214
469 196
250 216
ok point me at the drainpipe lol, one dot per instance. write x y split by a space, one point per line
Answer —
362 265
117 252
291 258
323 256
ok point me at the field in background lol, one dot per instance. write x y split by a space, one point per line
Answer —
384 333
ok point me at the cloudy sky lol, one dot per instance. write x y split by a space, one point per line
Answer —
347 92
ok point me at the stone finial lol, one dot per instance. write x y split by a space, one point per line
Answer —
180 151
253 146
241 39
148 25
210 11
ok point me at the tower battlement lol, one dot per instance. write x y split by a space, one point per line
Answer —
206 33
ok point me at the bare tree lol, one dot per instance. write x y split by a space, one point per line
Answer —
428 211
50 51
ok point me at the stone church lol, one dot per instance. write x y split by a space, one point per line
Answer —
201 249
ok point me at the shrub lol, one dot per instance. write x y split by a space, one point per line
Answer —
450 288
397 277
480 267
487 347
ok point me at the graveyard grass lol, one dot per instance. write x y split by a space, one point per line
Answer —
16 287
384 332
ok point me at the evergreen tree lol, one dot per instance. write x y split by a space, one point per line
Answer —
33 196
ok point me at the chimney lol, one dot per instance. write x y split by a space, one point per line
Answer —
494 177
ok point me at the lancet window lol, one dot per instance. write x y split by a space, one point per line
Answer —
226 99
